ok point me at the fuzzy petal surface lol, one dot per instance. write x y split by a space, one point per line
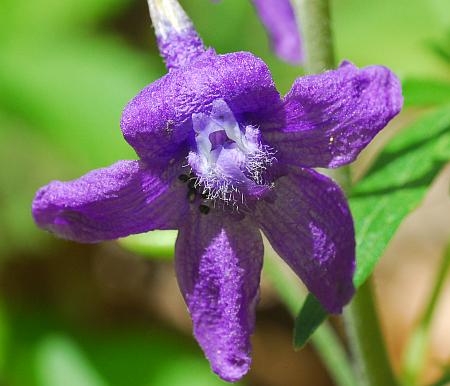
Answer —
218 263
157 122
279 19
309 225
126 198
331 117
179 49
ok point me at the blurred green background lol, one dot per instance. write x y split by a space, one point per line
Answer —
105 315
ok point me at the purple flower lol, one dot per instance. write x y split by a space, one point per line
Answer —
279 19
222 156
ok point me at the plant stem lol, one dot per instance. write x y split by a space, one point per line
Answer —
363 327
417 347
315 24
325 340
314 21
366 339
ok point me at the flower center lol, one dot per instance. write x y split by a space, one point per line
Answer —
229 162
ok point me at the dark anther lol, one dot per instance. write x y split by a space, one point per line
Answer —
205 196
204 209
192 195
183 178
191 184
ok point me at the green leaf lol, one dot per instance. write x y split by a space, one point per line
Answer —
393 187
425 92
308 320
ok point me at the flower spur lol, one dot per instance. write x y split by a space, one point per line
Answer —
222 156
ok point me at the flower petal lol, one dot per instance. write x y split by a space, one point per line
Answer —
125 198
310 226
331 117
279 19
157 122
218 262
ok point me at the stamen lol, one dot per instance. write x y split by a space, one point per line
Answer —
229 162
204 209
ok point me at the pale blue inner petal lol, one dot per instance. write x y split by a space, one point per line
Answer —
229 162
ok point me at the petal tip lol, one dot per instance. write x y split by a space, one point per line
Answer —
232 369
344 293
40 206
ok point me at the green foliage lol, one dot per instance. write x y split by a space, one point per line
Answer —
45 351
396 184
425 92
308 320
395 33
61 95
441 47
392 188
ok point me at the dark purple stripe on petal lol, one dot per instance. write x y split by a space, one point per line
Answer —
279 19
218 262
158 120
117 201
331 117
310 226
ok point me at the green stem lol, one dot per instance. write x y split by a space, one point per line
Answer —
364 331
325 340
366 339
314 19
315 22
416 349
